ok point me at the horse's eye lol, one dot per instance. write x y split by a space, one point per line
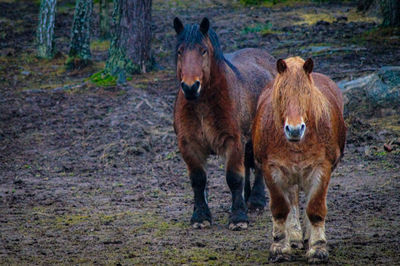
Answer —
179 52
204 52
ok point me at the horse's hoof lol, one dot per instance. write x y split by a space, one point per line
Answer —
238 226
255 208
297 244
317 254
276 258
279 251
202 225
256 203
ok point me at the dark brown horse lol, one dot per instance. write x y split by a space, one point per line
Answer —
214 110
298 136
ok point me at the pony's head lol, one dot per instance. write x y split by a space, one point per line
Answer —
196 50
296 102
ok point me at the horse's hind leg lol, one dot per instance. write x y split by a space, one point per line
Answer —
280 207
315 215
238 219
255 197
294 227
248 164
195 160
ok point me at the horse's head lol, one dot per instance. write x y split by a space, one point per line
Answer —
194 53
296 101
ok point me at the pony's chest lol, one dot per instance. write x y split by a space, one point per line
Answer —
302 174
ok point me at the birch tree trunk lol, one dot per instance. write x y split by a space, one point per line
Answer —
45 30
130 45
79 52
104 20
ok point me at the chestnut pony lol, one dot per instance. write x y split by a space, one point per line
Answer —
214 110
298 136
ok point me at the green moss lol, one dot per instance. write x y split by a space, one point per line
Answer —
103 79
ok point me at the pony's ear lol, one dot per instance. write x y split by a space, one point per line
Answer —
308 66
281 66
204 26
178 25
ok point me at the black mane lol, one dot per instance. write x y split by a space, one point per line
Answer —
192 35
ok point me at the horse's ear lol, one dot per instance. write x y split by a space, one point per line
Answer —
281 66
178 25
204 26
308 66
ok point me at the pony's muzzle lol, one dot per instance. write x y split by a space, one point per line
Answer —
192 91
295 133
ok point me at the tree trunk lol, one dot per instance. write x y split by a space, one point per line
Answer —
104 20
79 52
130 45
390 12
45 30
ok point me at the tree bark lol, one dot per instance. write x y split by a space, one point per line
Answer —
130 51
45 30
80 36
390 12
104 20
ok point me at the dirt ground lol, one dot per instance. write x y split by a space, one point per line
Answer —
92 174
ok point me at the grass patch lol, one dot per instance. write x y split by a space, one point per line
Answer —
99 45
261 28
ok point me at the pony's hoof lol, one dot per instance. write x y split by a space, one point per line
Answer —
238 226
317 254
276 258
297 244
202 225
279 251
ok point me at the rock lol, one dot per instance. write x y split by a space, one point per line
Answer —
387 147
371 93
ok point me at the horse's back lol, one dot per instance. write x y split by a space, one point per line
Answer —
256 66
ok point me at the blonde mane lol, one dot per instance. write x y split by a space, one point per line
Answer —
295 87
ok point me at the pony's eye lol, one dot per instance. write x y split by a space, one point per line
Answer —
179 52
204 52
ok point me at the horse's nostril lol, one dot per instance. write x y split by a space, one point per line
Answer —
287 128
196 85
303 127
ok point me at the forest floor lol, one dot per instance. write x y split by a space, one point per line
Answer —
92 174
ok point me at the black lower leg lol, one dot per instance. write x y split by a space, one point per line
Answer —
248 164
247 186
201 211
239 209
257 199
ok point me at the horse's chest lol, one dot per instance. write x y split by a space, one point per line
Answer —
214 133
302 174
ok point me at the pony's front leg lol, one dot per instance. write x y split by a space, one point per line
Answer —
316 211
238 219
280 248
294 227
195 159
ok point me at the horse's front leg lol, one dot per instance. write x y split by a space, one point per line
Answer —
238 219
294 226
316 211
195 159
280 249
